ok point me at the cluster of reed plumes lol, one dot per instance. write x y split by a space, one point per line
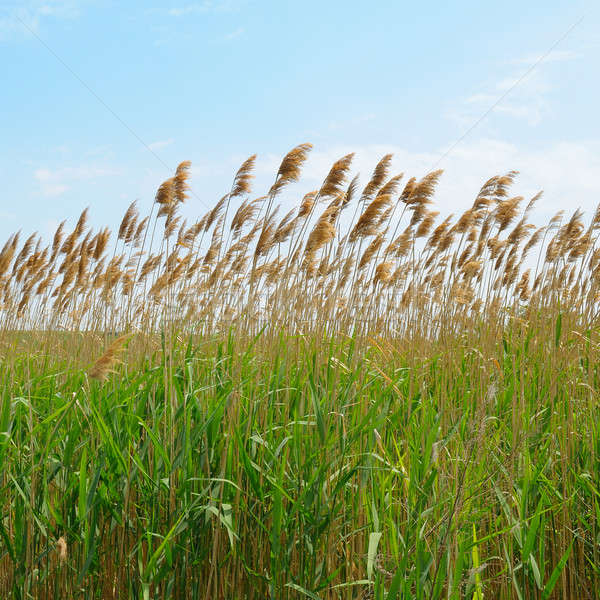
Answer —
379 259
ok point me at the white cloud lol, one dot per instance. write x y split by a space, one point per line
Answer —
196 8
532 113
526 100
531 82
344 124
55 182
104 151
234 34
552 56
160 144
522 95
20 18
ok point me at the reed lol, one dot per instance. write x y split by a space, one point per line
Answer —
362 398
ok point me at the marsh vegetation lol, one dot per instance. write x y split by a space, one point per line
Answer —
357 398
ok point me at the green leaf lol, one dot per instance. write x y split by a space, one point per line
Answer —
556 573
318 412
536 571
300 589
558 330
531 533
395 585
82 484
372 552
478 594
159 551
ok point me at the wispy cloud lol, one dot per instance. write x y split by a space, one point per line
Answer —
55 182
364 118
197 8
160 144
234 34
553 56
17 18
527 92
527 101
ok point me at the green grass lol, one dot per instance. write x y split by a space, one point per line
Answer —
307 467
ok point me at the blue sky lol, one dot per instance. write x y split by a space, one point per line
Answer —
217 80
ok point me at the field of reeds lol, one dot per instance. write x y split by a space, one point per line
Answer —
360 398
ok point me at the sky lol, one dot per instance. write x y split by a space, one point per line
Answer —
102 99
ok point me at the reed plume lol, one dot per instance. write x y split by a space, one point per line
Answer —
104 365
290 167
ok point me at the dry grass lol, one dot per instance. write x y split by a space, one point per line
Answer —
390 266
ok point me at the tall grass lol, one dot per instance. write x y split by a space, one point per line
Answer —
358 399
